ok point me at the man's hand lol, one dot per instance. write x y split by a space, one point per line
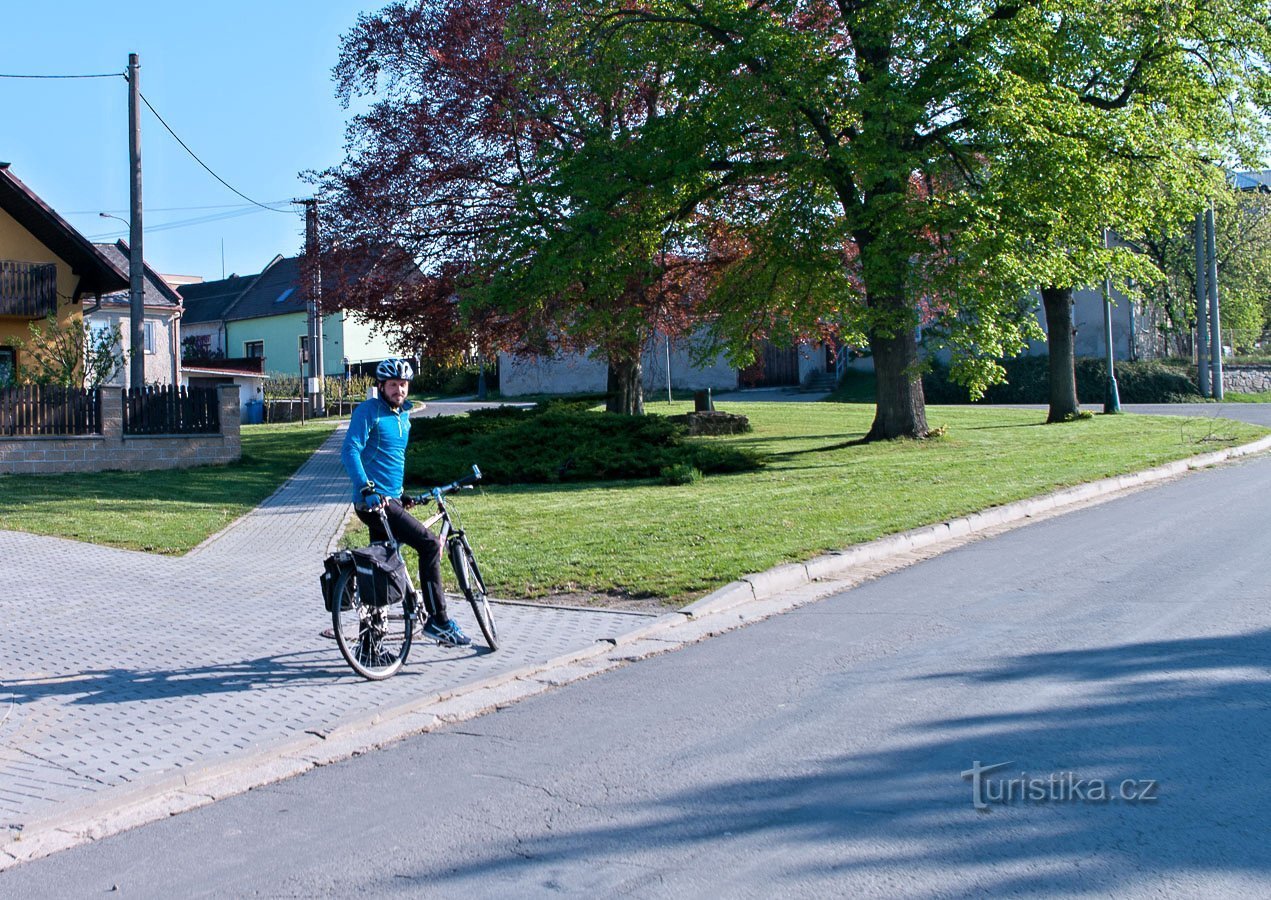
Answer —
371 498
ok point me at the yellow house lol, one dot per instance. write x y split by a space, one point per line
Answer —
46 266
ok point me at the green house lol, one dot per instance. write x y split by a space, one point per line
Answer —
264 317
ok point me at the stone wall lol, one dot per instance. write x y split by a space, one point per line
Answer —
112 450
1246 379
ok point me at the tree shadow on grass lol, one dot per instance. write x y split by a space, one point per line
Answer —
1190 715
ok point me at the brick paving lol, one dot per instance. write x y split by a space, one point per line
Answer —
119 667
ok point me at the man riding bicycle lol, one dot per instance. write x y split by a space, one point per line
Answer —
374 455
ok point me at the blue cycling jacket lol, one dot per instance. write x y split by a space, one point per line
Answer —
375 447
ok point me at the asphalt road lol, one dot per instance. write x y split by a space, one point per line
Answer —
1124 646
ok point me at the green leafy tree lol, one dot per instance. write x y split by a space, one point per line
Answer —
896 164
1243 243
71 354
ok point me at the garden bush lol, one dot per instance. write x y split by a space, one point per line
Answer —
1027 381
560 442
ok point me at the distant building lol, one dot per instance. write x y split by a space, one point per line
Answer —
264 317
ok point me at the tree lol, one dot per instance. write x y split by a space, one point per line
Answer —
1120 132
492 166
71 354
1243 244
834 116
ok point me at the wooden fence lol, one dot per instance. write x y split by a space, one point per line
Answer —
163 409
31 410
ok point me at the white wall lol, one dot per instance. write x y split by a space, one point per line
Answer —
158 366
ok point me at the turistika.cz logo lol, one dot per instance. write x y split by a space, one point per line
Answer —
1057 787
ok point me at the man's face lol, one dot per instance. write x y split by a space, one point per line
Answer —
394 391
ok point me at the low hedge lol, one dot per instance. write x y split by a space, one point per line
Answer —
1027 381
560 442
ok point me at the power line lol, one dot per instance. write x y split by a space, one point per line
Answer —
195 157
182 223
106 75
150 209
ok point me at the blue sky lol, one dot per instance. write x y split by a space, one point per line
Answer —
247 85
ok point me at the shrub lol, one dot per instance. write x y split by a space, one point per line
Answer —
1028 381
560 442
449 379
681 473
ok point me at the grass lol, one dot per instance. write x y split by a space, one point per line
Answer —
1237 397
169 511
819 491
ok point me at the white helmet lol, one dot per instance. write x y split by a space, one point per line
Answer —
394 368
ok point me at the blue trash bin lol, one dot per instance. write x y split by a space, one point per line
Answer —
255 412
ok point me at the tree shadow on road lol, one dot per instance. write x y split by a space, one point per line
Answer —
1191 715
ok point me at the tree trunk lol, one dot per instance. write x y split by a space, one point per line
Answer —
1059 344
901 409
626 390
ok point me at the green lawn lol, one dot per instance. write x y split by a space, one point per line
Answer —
168 511
820 490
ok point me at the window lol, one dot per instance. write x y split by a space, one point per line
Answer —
254 349
8 363
304 348
150 331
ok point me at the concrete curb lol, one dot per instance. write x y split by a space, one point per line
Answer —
749 599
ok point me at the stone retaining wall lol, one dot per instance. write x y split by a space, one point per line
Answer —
1246 379
112 450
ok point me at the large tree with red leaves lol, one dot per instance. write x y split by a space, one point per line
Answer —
502 165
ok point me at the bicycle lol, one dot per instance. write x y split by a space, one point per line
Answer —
375 639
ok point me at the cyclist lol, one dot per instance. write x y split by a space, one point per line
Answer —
374 455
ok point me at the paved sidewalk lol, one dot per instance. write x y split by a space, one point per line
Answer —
121 669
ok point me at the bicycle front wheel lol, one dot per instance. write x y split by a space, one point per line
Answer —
473 586
372 642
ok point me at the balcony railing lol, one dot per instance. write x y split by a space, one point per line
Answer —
27 289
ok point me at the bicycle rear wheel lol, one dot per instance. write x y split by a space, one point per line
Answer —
373 643
473 586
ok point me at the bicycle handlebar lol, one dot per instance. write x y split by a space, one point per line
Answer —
464 483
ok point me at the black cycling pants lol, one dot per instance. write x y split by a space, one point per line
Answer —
410 531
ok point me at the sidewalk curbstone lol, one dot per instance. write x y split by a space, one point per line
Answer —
775 580
730 595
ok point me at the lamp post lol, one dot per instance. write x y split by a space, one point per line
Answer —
1111 397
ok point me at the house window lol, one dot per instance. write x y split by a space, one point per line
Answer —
8 366
254 349
150 331
304 348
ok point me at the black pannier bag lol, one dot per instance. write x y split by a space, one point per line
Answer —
381 575
332 567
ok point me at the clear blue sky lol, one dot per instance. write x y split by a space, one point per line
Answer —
247 85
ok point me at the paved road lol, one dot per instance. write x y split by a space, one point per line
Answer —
820 753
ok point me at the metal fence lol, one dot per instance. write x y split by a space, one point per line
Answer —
163 409
35 409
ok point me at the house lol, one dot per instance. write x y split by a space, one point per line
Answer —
247 374
46 268
161 324
264 316
776 365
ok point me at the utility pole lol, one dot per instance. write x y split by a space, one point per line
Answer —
1202 310
136 257
1215 329
1111 396
314 305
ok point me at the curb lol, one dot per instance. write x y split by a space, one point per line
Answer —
749 599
